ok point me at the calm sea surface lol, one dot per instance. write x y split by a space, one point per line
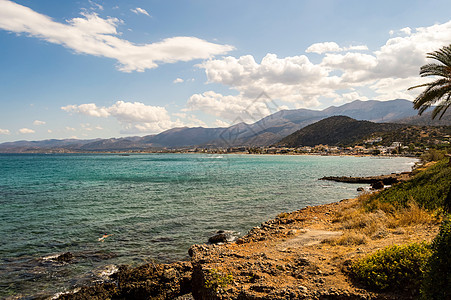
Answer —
153 206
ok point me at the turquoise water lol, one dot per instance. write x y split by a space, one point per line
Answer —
154 206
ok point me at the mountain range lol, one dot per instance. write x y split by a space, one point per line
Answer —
264 132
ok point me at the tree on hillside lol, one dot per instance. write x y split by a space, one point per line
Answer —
437 92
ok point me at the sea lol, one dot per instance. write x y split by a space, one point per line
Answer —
151 207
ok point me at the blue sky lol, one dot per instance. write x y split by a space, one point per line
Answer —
89 69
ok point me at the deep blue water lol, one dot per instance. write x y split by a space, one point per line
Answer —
154 206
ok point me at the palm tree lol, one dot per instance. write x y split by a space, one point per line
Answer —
439 91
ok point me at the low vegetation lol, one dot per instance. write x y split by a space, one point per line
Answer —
216 280
394 267
437 277
419 201
428 189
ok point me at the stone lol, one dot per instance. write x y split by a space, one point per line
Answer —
378 185
65 257
221 237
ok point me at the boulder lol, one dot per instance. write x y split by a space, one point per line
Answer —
221 236
378 185
65 257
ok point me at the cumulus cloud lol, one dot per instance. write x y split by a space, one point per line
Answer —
133 116
4 131
70 128
344 74
320 48
26 130
178 80
93 35
348 97
232 108
220 123
38 123
325 47
139 10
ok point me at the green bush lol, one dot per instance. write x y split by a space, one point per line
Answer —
433 155
216 280
437 279
394 267
428 188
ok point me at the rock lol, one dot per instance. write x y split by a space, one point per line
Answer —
218 238
240 241
378 185
65 257
360 189
222 237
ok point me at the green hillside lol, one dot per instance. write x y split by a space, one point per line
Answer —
336 130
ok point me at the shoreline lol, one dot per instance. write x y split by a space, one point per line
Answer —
285 257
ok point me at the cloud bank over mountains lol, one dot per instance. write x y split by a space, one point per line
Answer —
135 117
343 74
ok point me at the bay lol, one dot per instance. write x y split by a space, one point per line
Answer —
152 206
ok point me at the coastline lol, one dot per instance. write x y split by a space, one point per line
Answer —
289 257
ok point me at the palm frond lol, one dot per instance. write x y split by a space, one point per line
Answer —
443 55
438 91
442 107
435 70
430 97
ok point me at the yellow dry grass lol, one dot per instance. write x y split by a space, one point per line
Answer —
368 218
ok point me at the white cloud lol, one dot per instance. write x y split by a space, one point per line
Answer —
70 128
406 30
348 97
26 130
99 127
49 131
231 108
37 123
4 131
289 79
95 5
139 10
325 47
220 123
89 109
133 116
178 80
385 74
91 34
320 48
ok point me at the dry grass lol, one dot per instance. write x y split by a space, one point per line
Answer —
412 215
347 239
369 218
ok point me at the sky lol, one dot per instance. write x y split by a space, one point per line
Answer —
100 69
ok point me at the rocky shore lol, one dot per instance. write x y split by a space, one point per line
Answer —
385 179
304 254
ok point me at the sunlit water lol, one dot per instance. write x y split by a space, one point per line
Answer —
153 206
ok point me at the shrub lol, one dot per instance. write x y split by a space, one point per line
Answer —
216 280
428 189
433 155
437 279
393 267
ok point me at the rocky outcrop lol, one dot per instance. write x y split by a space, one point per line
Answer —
385 179
150 281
